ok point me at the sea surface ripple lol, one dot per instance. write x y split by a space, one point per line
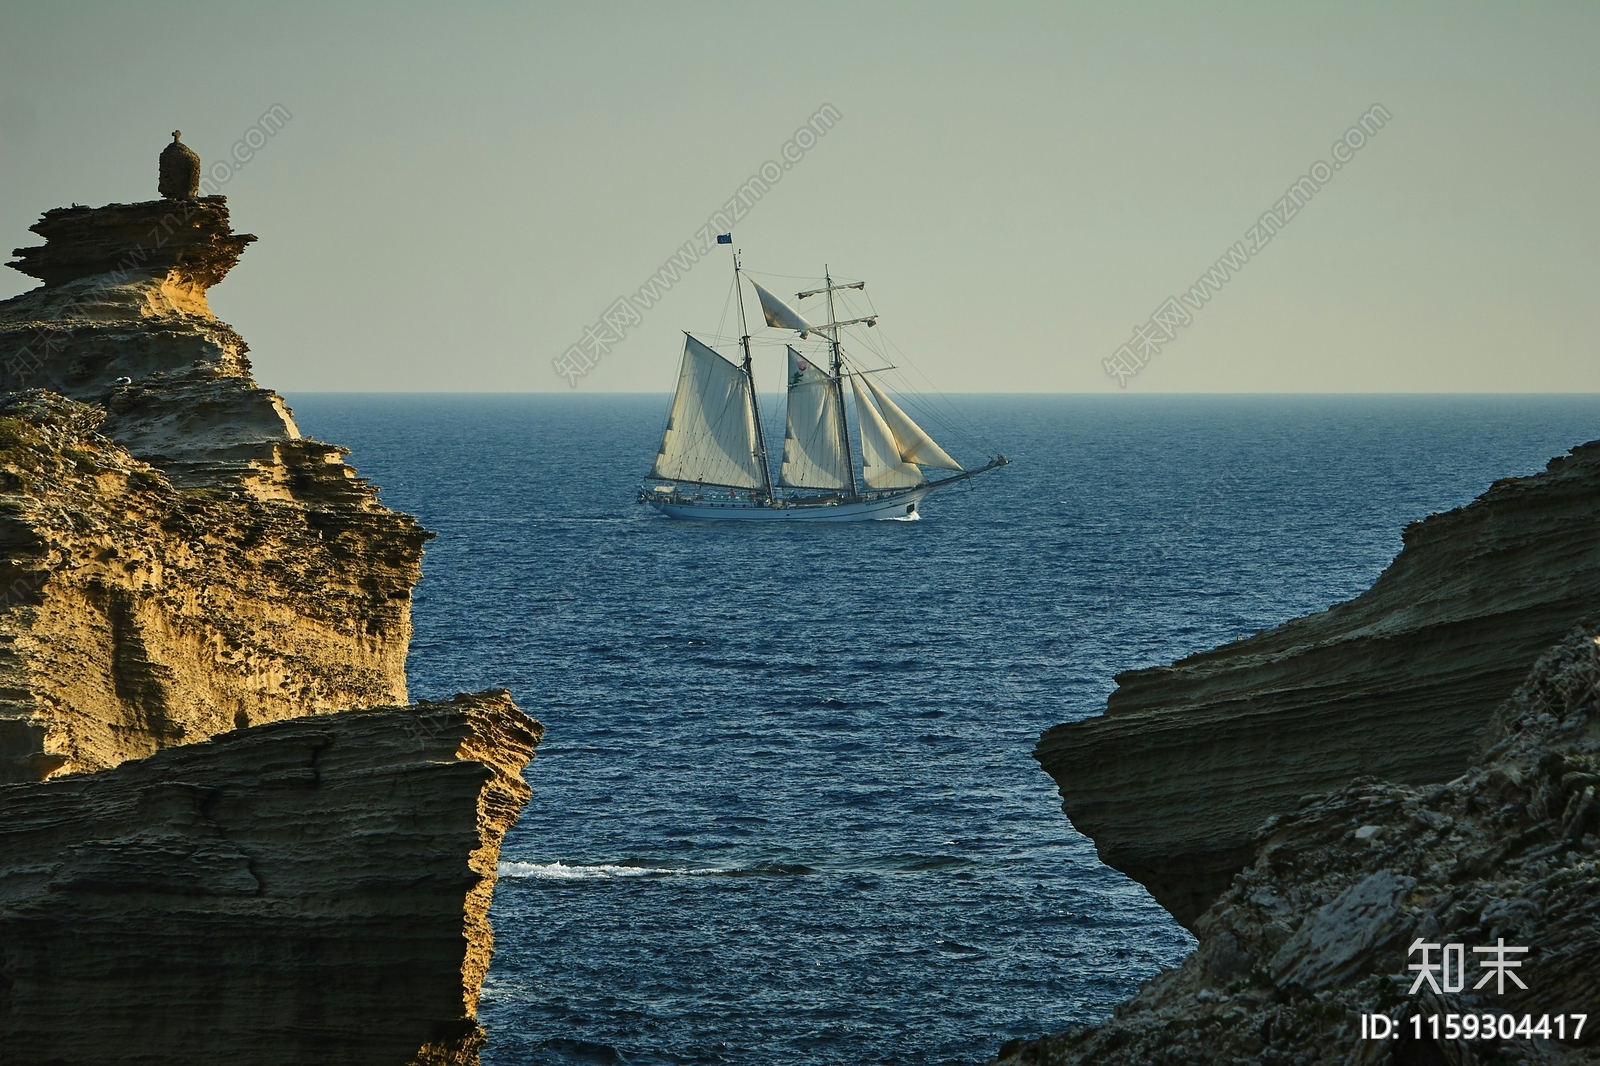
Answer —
785 810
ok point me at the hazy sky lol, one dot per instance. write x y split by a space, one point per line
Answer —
461 190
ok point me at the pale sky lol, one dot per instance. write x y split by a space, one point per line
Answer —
461 190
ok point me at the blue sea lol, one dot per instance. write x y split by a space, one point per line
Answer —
786 809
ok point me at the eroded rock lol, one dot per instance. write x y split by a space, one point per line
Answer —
305 891
176 560
1172 781
1315 931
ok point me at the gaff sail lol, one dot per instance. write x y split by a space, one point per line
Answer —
711 434
813 454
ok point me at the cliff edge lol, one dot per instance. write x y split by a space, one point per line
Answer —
223 836
296 892
1188 760
176 559
1323 929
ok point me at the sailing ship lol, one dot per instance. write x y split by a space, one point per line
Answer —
713 458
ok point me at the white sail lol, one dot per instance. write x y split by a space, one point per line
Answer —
813 454
880 454
780 314
915 444
711 434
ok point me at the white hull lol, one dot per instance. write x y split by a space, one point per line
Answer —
898 505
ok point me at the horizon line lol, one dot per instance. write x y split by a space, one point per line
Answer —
668 392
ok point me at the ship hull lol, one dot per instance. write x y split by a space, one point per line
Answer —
899 505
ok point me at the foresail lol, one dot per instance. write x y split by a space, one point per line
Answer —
813 454
883 467
711 435
780 314
914 443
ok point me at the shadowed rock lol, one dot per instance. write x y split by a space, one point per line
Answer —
1316 931
180 170
1189 759
307 891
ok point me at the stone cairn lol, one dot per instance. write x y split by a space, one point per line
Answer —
180 170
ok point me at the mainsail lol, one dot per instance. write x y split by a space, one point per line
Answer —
813 454
711 434
915 444
881 454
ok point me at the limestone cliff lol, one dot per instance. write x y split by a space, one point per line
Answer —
1189 759
305 891
205 856
175 558
1316 931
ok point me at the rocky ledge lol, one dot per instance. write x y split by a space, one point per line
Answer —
123 322
1321 927
208 851
1173 780
313 890
175 558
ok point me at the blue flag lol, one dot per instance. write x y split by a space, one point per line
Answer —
724 238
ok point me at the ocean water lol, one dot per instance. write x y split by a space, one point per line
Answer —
785 810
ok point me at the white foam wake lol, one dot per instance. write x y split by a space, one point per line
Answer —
560 871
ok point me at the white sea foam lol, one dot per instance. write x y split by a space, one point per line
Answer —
560 871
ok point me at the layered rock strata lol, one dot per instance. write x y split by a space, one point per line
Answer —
1189 759
1316 931
122 321
304 891
175 558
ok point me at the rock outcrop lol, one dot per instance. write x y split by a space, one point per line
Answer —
305 891
1188 760
206 855
175 558
1317 931
122 321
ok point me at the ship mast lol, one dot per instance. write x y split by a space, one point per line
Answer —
749 374
838 383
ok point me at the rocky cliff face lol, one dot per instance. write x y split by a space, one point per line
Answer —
306 891
1316 931
192 869
177 559
1189 759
